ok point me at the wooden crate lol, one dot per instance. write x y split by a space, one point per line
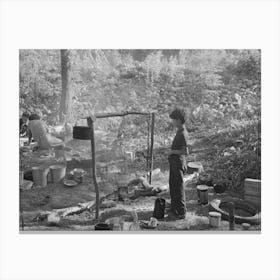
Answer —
252 192
254 200
252 187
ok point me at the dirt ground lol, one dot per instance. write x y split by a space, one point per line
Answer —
56 196
60 197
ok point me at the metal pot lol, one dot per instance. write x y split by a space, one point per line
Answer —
202 193
103 226
82 132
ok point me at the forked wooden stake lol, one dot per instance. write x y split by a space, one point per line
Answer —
91 126
90 123
151 148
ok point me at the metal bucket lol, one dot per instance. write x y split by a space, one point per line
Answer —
40 175
202 193
215 219
57 173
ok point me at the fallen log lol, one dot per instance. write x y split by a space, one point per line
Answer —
81 207
63 224
64 212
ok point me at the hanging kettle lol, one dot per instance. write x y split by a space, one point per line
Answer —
82 132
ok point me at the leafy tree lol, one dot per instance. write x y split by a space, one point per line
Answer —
65 78
216 87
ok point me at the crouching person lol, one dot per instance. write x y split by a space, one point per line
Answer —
39 132
177 164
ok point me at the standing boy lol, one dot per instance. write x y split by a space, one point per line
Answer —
177 163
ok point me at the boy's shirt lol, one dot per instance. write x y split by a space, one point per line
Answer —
180 140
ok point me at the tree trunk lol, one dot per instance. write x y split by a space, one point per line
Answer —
65 78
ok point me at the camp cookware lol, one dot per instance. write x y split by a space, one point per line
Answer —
202 193
58 172
39 174
82 132
70 183
215 219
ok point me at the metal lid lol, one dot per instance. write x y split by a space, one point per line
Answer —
57 166
202 187
215 214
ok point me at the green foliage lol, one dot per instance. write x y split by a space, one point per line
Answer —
245 162
215 87
220 89
40 84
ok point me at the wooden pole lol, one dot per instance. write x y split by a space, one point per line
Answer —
231 211
152 146
91 125
148 146
121 114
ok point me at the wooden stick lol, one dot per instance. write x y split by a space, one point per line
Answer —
91 125
152 146
231 212
148 144
121 114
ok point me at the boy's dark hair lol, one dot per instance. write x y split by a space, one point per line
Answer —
33 117
178 114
